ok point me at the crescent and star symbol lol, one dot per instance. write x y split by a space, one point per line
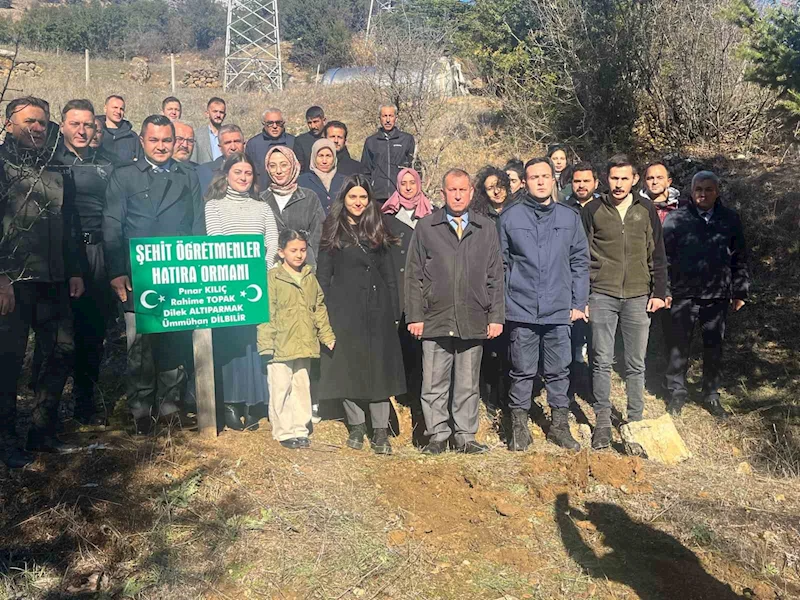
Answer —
144 302
259 293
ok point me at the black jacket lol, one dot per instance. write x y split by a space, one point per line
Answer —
40 228
706 260
90 176
405 233
384 154
346 165
455 287
122 141
207 171
311 181
361 294
303 212
302 148
141 203
257 148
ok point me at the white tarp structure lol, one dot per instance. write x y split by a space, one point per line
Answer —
445 77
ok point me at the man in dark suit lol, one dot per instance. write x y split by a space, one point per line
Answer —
155 196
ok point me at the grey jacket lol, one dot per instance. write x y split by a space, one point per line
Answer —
202 145
455 287
303 212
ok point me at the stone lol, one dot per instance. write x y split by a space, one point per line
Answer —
744 468
657 438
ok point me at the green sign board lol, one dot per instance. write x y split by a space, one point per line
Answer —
198 282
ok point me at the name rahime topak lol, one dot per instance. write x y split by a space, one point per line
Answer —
188 251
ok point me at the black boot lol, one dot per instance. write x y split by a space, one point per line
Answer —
559 432
357 434
233 416
520 434
601 438
42 441
675 406
143 425
380 442
714 406
251 419
16 458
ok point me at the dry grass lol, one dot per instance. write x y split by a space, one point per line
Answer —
240 517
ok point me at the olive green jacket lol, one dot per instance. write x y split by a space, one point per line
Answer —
298 318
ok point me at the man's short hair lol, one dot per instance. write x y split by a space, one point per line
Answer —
315 112
656 163
271 110
229 128
705 176
17 104
458 173
169 99
78 104
215 100
337 125
392 106
538 161
158 121
185 124
585 165
619 161
114 97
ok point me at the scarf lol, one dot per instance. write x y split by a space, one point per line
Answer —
420 203
324 177
290 186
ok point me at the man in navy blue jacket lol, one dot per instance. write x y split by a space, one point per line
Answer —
707 258
546 261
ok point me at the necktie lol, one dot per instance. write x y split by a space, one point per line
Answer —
459 228
706 216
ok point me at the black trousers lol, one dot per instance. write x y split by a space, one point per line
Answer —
495 367
685 314
91 312
45 307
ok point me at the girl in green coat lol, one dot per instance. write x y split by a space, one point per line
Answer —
298 323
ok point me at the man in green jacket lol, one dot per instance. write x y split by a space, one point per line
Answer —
39 273
628 275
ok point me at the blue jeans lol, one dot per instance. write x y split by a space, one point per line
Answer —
526 342
605 312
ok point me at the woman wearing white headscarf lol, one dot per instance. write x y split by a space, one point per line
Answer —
323 178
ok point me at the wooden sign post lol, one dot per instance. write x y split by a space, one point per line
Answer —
199 283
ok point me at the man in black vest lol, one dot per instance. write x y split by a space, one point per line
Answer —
155 196
90 170
39 272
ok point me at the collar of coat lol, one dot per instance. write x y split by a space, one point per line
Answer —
388 135
174 166
282 274
474 219
606 199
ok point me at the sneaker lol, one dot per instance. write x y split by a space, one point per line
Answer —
315 418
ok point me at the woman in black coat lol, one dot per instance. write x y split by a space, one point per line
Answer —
357 276
401 212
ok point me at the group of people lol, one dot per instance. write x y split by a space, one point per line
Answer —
374 293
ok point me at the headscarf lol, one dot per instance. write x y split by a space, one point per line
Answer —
325 178
420 203
290 186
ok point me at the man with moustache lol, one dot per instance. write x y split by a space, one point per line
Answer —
90 170
453 302
315 120
231 139
155 196
386 152
273 134
184 143
546 260
336 131
39 273
628 283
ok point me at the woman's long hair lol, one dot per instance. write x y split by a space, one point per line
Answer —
481 202
337 232
219 185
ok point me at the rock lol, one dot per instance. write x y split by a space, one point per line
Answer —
506 509
744 468
658 438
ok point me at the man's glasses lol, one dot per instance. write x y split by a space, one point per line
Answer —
274 123
182 140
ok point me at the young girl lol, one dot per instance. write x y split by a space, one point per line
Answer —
298 323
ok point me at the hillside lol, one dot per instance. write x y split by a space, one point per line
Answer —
177 516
